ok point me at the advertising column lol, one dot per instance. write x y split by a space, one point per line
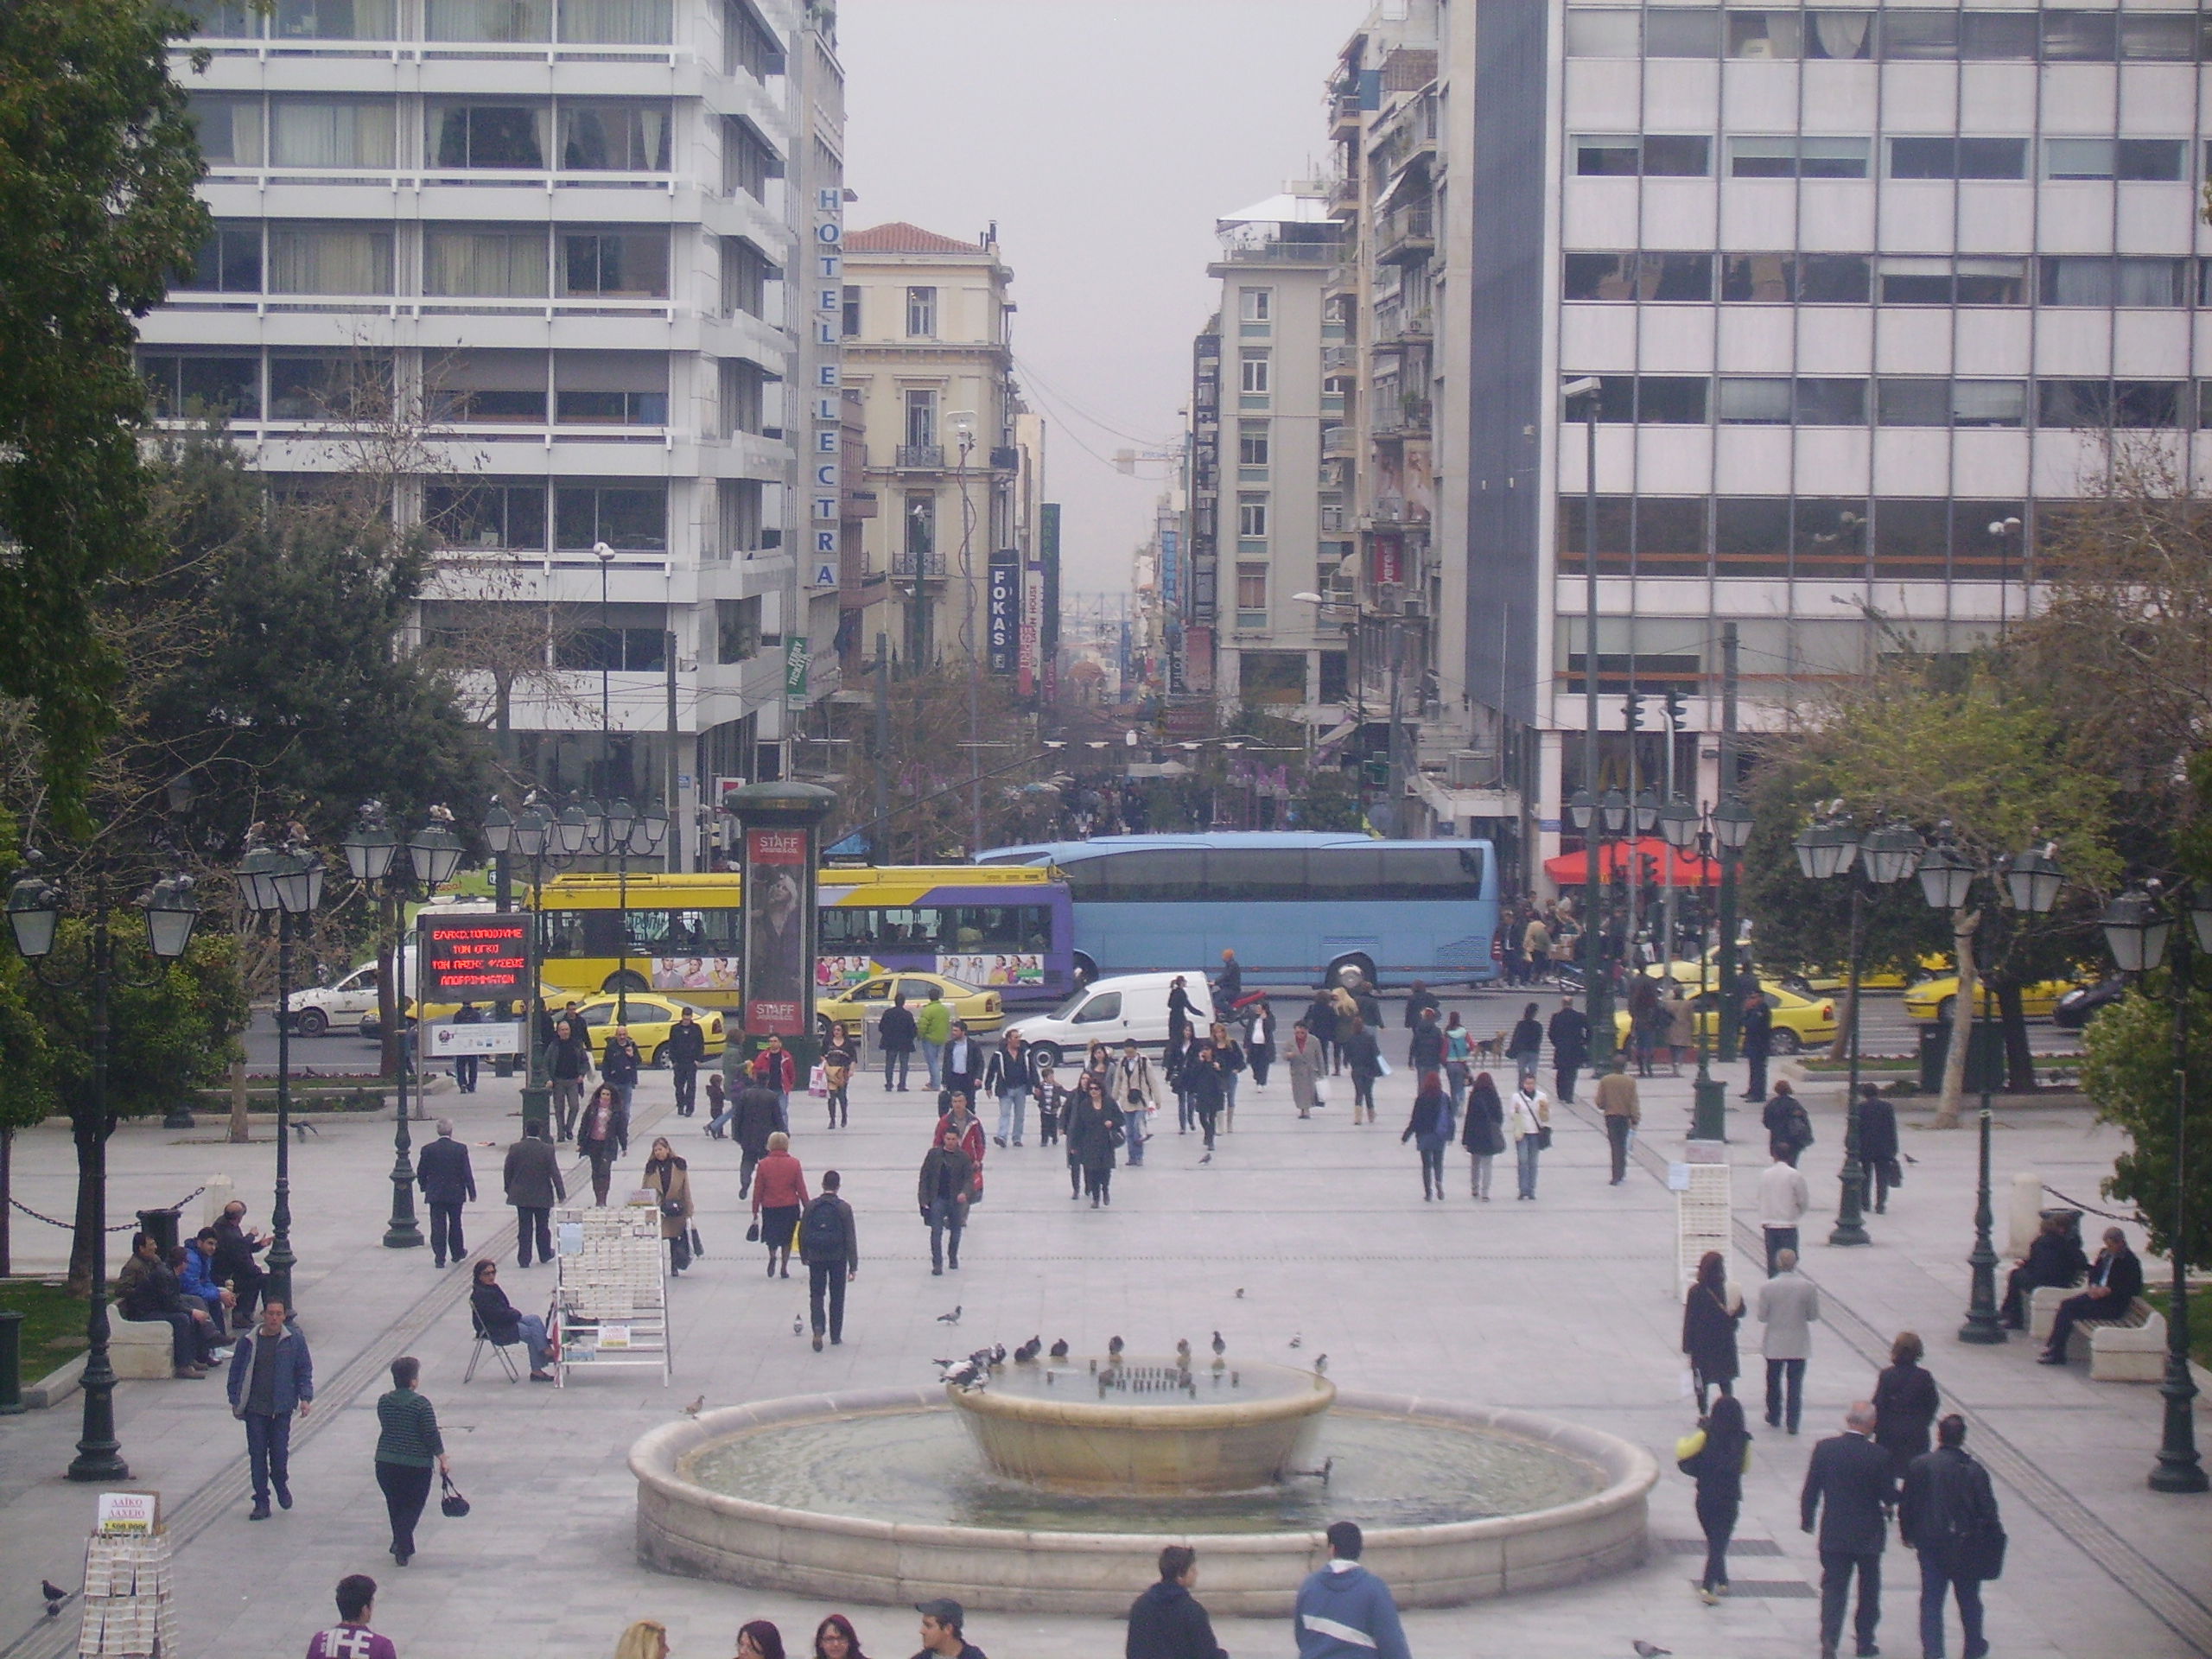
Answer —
780 833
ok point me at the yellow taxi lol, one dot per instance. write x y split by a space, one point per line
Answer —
1934 999
1818 980
866 1001
1800 1022
651 1017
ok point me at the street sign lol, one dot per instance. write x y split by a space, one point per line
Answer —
473 959
486 1037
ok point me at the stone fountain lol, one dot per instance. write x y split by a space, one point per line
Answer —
1052 1489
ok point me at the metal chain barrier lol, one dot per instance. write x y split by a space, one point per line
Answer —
71 1226
2091 1209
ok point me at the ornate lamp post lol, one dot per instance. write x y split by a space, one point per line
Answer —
544 838
34 914
2138 930
623 833
1886 856
285 883
1729 825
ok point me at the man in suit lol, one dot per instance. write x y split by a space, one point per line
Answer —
1857 1481
1788 1304
447 1181
1570 1034
2115 1280
1757 1030
2055 1259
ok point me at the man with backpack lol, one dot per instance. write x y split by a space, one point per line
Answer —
829 1245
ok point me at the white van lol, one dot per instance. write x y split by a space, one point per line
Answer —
1112 1011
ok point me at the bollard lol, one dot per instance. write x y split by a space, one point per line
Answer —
11 1362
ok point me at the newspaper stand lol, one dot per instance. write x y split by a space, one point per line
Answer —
1703 1199
611 1302
130 1605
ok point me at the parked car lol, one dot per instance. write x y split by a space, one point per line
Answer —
865 1002
1113 1010
1800 1022
2082 1004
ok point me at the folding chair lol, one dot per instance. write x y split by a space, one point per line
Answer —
476 1354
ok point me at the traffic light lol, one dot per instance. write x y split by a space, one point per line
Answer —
1635 701
1378 772
1676 709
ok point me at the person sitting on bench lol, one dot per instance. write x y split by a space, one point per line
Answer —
2055 1260
2115 1280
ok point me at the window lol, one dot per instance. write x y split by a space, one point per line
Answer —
1252 443
1684 32
1998 37
492 513
1958 158
1805 157
616 22
738 508
2122 282
615 265
1984 545
2171 37
488 20
335 20
1831 401
1821 34
2156 160
1255 304
2126 403
747 44
748 162
921 418
229 127
1989 403
1100 1009
737 629
1670 535
631 639
921 313
1911 539
1779 278
1252 590
474 387
629 518
229 261
1935 401
329 259
1916 282
2154 403
1252 368
1603 32
740 388
608 135
514 136
1671 399
1924 35
349 132
745 278
1828 539
1270 676
610 388
2080 37
1662 276
921 526
852 312
328 386
1750 401
197 385
485 260
1654 155
1252 519
1750 536
1772 400
1992 282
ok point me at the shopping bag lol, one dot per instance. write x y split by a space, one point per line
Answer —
817 1083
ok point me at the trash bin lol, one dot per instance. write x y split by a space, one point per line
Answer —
11 1362
1985 1057
1934 1049
161 1226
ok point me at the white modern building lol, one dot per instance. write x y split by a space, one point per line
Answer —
578 251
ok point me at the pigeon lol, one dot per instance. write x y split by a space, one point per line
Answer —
998 1357
1114 1345
1219 1346
1183 1352
696 1406
1207 1159
1320 1365
962 1373
798 1325
1059 1349
952 1318
1240 1292
1298 1341
1027 1354
1645 1650
55 1595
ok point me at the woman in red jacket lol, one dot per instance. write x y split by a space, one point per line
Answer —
778 1194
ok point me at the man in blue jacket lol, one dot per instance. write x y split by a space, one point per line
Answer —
271 1376
1343 1610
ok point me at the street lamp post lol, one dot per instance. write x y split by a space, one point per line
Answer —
1884 858
1584 810
542 837
33 913
1729 825
285 883
621 832
2138 929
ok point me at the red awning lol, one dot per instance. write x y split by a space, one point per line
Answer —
1572 869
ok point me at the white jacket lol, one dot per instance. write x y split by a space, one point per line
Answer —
1783 1197
1526 1113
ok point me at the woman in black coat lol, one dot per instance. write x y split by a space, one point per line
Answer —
1526 1046
1709 1318
1364 1059
1320 1022
1905 1403
1484 1134
1093 1131
1717 1465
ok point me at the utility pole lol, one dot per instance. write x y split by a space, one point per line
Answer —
1395 787
1728 940
673 769
883 747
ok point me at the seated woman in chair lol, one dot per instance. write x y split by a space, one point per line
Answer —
504 1326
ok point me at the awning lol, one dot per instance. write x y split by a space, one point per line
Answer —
1572 869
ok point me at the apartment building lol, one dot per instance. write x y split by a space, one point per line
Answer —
927 348
1267 521
549 241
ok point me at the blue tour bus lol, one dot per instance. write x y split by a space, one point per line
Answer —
1291 905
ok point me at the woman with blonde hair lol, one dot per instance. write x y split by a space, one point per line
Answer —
647 1639
778 1194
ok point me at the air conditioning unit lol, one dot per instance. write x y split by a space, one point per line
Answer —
1471 769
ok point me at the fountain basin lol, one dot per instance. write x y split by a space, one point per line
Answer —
1042 1560
1128 1428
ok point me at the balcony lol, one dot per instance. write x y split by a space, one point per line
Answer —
1337 443
1395 327
1344 115
1243 249
1344 197
906 567
1407 418
1407 236
1335 360
919 457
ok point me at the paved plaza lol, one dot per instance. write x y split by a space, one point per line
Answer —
1568 1306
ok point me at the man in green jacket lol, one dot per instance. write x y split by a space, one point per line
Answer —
933 1030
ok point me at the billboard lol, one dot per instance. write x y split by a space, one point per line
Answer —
779 903
1002 605
473 959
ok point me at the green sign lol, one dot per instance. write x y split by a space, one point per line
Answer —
795 659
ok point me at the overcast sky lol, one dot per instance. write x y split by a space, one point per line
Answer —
1104 137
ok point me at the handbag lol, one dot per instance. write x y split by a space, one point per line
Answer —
1893 1171
698 1245
452 1504
1986 1553
752 1234
1543 1137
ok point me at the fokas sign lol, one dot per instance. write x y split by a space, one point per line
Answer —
478 958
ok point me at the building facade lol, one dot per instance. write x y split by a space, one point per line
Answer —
927 348
550 243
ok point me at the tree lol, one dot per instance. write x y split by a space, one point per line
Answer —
2128 1071
98 162
1329 803
925 766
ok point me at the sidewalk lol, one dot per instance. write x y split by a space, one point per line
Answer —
1566 1305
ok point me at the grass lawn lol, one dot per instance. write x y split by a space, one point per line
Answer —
2200 1318
53 1324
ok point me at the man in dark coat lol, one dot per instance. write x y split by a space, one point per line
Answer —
1168 1622
1948 1515
532 1179
1421 999
1858 1482
1757 1029
235 1249
1877 1141
895 1030
447 1182
1570 1034
687 1049
2115 1280
2055 1259
756 1114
